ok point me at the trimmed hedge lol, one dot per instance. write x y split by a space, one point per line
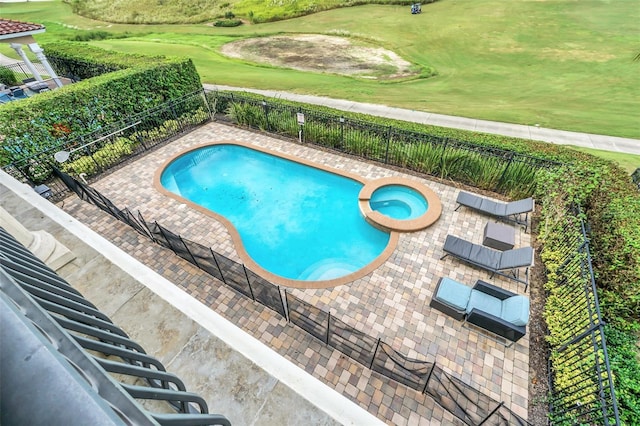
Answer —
129 85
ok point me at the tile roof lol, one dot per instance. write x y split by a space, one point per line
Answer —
8 26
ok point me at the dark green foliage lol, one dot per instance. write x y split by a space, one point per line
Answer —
623 355
227 23
611 207
50 119
96 158
7 77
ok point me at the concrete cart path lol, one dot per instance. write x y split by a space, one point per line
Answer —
587 140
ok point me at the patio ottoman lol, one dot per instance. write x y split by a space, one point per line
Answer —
499 236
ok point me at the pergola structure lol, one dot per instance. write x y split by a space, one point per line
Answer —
21 33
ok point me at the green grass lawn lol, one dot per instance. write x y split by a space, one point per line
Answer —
628 162
560 64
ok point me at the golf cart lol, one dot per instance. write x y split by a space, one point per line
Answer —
416 8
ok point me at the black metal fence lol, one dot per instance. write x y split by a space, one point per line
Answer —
635 177
22 72
93 153
478 165
580 378
96 152
462 400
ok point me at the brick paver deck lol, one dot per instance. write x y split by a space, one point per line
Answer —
391 303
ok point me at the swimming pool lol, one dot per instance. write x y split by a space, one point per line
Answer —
292 221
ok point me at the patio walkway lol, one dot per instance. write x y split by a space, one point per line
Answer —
391 303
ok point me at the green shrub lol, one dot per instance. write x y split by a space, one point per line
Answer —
383 141
106 156
111 153
227 23
623 355
611 207
7 77
132 84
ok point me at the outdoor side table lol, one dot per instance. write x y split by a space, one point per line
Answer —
499 236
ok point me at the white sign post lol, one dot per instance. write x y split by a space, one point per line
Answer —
300 117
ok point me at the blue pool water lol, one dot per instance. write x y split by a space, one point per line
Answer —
295 221
398 202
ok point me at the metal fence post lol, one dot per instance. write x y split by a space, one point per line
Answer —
206 103
144 223
386 153
213 255
195 262
444 149
426 385
341 132
491 413
248 283
504 172
173 111
165 238
140 139
285 305
326 338
373 358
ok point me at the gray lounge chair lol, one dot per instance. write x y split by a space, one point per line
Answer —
486 306
512 211
506 263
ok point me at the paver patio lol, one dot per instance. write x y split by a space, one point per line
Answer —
391 303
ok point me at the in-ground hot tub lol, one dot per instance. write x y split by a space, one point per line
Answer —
399 204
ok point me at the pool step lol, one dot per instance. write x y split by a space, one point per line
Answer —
327 269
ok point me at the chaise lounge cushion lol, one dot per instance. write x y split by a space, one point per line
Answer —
505 263
453 293
510 211
470 200
516 258
485 256
519 206
516 310
484 302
